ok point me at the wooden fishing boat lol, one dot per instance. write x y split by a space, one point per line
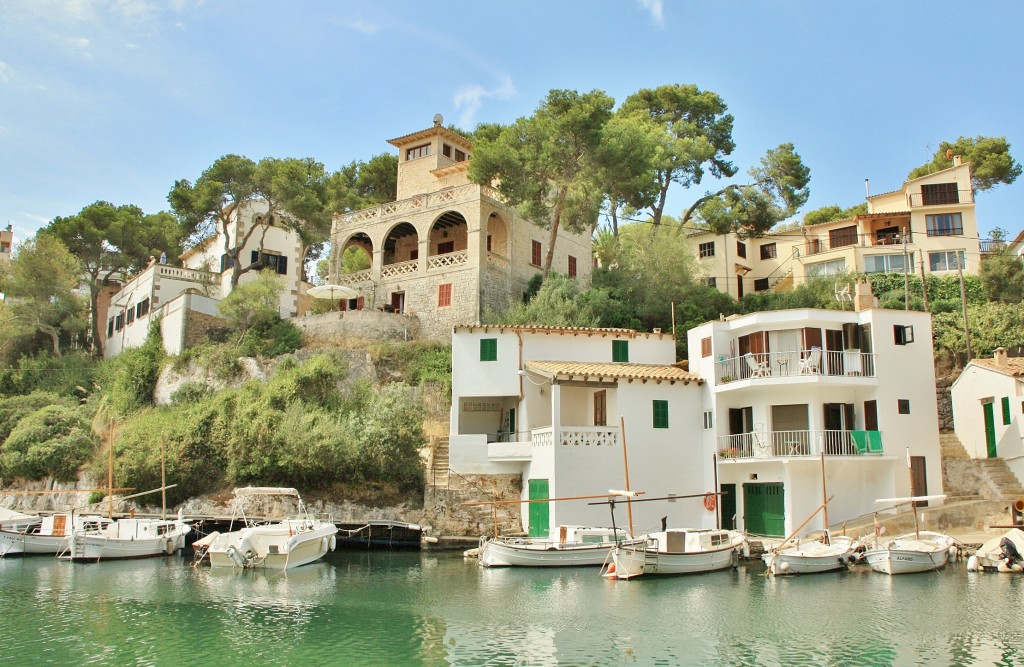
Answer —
575 546
52 535
129 538
920 551
289 543
675 551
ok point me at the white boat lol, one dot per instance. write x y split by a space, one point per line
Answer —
675 551
16 521
289 543
1001 553
51 535
129 538
920 551
812 557
575 546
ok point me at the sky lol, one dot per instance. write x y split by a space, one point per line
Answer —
115 100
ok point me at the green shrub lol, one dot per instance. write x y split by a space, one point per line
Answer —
191 392
14 408
128 379
52 441
69 375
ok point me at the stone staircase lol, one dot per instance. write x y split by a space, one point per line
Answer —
1002 483
439 463
965 478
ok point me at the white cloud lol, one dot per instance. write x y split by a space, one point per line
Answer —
656 9
78 42
362 26
6 73
469 98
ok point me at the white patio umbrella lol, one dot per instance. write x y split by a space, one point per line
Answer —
332 292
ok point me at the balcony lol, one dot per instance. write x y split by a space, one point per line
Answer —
576 436
403 207
806 364
919 199
787 444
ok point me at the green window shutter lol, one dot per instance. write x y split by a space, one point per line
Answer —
660 414
488 349
1006 409
620 351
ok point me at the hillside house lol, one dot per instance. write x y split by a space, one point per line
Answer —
930 220
988 409
186 298
6 243
447 248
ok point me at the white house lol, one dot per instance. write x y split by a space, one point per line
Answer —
784 387
988 402
186 298
549 403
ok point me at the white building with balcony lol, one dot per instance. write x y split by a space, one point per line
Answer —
550 404
786 387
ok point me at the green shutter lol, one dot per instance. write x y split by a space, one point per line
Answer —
488 349
1006 409
660 414
620 351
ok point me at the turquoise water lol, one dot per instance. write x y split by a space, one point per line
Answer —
413 609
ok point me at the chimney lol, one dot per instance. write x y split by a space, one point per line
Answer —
1000 357
958 160
864 298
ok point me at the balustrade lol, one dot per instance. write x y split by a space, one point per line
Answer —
448 259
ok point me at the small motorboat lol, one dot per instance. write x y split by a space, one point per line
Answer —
16 521
1000 554
675 551
575 546
289 543
827 554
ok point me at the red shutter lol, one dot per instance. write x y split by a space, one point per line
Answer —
359 303
572 266
343 304
444 295
535 254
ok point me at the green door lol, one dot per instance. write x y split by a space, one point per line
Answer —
539 518
764 509
728 506
990 430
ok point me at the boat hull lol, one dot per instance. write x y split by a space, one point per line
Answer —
272 547
908 554
12 544
129 538
495 553
812 557
639 557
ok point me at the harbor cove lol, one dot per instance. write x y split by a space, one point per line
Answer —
409 608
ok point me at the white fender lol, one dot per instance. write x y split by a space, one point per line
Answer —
333 543
169 546
972 563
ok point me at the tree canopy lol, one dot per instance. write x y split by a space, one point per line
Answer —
545 164
833 212
989 157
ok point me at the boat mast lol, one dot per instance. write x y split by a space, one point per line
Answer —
824 499
913 503
625 464
110 471
163 481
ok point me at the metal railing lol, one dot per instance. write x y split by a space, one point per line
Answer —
918 199
769 444
797 363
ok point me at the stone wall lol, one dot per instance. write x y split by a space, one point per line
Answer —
335 327
944 400
445 514
198 327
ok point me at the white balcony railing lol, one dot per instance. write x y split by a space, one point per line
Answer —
766 366
576 436
769 444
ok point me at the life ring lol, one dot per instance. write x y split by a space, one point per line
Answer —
710 502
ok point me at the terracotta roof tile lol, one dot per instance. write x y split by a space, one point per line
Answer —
586 370
1014 366
569 331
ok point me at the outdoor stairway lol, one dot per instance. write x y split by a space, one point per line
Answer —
1001 481
439 465
782 283
951 448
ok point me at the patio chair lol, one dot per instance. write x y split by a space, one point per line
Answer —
757 369
811 365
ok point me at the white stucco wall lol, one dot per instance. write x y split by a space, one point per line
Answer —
977 384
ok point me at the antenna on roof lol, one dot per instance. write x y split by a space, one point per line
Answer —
843 294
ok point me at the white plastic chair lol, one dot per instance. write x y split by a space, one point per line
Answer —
812 364
757 369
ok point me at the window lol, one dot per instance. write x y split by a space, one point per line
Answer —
760 284
711 282
459 156
119 322
110 327
903 405
707 249
768 251
489 243
902 334
414 254
444 295
445 247
620 351
535 253
844 236
488 349
888 236
940 193
276 263
741 249
226 262
887 264
142 308
130 314
600 408
944 224
417 151
5 247
1005 404
705 347
948 260
446 150
829 268
572 266
709 420
660 414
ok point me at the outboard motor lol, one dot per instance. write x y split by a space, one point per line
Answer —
1009 552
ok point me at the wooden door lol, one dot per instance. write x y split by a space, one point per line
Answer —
870 415
600 408
918 479
764 509
727 505
990 430
539 516
812 338
59 524
834 351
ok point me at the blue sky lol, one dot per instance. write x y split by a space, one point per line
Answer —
116 99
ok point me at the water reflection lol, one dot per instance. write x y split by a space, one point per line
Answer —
412 609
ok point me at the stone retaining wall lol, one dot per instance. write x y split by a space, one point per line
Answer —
333 328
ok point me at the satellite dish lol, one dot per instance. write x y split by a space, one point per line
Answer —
438 119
